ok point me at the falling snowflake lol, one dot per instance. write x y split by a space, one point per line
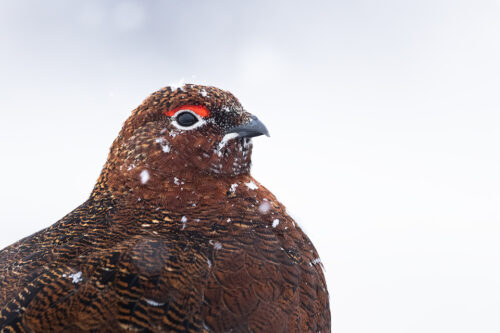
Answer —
264 207
144 176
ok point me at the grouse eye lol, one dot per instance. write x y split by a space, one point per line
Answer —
186 119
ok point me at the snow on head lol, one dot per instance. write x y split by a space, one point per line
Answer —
144 176
203 93
275 223
177 85
227 138
164 144
251 185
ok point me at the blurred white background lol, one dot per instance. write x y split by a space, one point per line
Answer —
383 115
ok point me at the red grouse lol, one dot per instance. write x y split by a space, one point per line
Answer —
176 237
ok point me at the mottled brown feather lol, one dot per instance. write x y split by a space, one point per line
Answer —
190 250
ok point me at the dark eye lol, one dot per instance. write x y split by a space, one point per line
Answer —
186 119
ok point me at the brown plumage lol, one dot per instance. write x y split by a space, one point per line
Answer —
175 237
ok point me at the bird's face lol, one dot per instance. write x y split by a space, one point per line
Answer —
184 133
217 142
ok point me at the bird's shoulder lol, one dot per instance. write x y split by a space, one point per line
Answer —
153 269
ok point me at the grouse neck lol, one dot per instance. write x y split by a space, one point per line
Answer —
175 192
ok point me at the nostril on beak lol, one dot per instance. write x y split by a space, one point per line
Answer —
250 129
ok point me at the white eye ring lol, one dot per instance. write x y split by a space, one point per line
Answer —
197 124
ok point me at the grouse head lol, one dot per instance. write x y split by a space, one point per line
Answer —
182 134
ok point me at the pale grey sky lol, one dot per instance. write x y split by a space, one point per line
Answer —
383 115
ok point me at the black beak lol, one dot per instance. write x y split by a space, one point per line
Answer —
252 128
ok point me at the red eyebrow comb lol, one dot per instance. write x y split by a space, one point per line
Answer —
198 109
